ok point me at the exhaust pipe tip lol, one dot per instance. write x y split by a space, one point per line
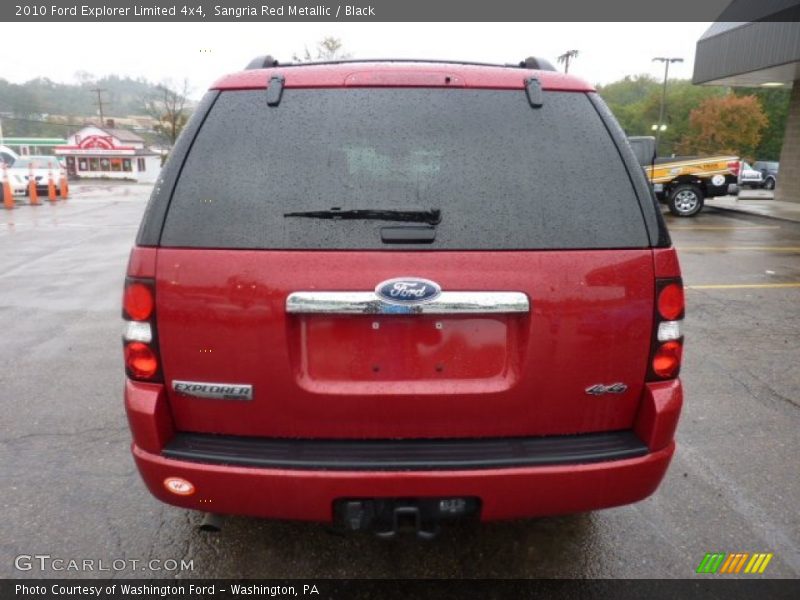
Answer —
212 523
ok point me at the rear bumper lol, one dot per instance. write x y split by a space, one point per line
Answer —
309 494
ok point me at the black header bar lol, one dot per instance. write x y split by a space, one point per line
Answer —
400 11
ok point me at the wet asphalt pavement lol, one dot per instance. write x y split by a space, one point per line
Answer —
70 488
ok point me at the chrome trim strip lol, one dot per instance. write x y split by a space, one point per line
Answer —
214 391
367 303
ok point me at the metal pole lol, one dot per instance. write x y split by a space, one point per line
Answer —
661 125
663 102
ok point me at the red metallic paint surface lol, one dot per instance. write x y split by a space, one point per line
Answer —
658 413
142 262
148 415
504 493
665 262
408 74
221 319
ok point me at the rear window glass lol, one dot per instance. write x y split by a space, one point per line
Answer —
502 174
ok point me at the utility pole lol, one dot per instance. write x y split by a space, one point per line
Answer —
99 91
564 58
661 126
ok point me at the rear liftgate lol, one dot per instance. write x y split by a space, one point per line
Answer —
388 517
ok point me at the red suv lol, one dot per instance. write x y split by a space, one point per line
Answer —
379 294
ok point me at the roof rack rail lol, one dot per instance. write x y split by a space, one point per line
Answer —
267 61
535 62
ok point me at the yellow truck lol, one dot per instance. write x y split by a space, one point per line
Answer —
684 182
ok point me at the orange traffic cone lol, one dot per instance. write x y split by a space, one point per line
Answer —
32 193
8 195
51 187
64 191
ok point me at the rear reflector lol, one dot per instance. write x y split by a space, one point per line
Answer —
667 360
179 486
138 331
140 360
138 301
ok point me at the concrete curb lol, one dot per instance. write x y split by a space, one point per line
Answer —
757 214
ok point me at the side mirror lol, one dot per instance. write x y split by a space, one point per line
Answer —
644 147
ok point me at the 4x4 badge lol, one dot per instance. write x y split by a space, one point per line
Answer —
614 388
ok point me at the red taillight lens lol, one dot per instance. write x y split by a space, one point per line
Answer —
667 359
138 301
734 167
666 347
671 302
140 360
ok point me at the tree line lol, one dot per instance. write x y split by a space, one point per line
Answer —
702 120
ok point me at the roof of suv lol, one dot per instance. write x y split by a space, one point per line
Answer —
400 74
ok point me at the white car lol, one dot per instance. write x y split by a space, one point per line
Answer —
19 172
7 156
749 177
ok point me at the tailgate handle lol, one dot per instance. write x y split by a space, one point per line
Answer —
368 303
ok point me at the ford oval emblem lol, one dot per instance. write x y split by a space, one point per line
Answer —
408 290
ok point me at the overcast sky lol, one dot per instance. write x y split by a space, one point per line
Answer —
159 51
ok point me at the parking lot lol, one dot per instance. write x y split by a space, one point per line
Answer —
71 489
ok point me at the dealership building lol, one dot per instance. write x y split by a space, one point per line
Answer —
109 153
756 54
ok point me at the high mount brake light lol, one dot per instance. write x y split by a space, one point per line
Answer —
139 339
666 347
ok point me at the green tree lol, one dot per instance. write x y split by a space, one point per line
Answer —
682 97
729 124
636 102
775 103
626 99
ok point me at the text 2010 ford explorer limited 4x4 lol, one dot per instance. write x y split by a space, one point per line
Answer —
377 294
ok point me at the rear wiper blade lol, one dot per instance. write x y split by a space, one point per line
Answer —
431 216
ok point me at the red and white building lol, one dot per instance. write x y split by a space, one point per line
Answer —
95 152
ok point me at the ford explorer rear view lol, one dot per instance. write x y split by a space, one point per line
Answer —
379 294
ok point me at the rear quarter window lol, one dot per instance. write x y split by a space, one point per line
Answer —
503 175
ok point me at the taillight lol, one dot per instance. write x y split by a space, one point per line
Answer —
138 302
734 167
140 360
139 339
667 359
667 343
670 301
